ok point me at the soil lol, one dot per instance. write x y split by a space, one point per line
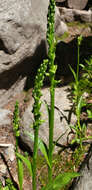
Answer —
7 135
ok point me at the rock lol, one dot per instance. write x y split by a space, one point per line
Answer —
3 169
61 1
62 118
22 42
85 181
70 15
79 4
4 116
10 152
66 14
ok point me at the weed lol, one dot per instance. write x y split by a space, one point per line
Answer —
80 86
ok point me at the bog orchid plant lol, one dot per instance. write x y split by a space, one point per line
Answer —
58 183
16 124
37 114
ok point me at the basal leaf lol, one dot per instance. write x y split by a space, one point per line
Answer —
20 172
26 161
41 147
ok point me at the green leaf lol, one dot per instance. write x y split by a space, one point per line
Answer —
26 161
1 186
81 104
41 147
74 74
89 114
20 172
60 181
47 107
9 185
60 137
5 188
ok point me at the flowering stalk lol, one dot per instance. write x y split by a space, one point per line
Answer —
52 70
16 123
37 114
16 120
37 93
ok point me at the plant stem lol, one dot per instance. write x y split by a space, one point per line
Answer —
52 71
51 128
37 115
78 62
34 166
16 124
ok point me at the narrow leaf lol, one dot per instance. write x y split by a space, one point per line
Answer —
73 72
26 161
20 173
41 147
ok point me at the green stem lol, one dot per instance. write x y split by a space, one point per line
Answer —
77 82
34 164
52 71
51 129
78 62
37 115
16 150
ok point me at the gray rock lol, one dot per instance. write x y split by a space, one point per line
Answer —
85 181
4 116
22 41
79 4
3 169
62 118
70 15
9 151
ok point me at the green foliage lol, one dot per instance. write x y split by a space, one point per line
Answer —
89 114
80 86
86 80
37 93
26 161
1 188
8 186
37 114
60 181
41 147
52 70
76 84
20 172
16 124
16 120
